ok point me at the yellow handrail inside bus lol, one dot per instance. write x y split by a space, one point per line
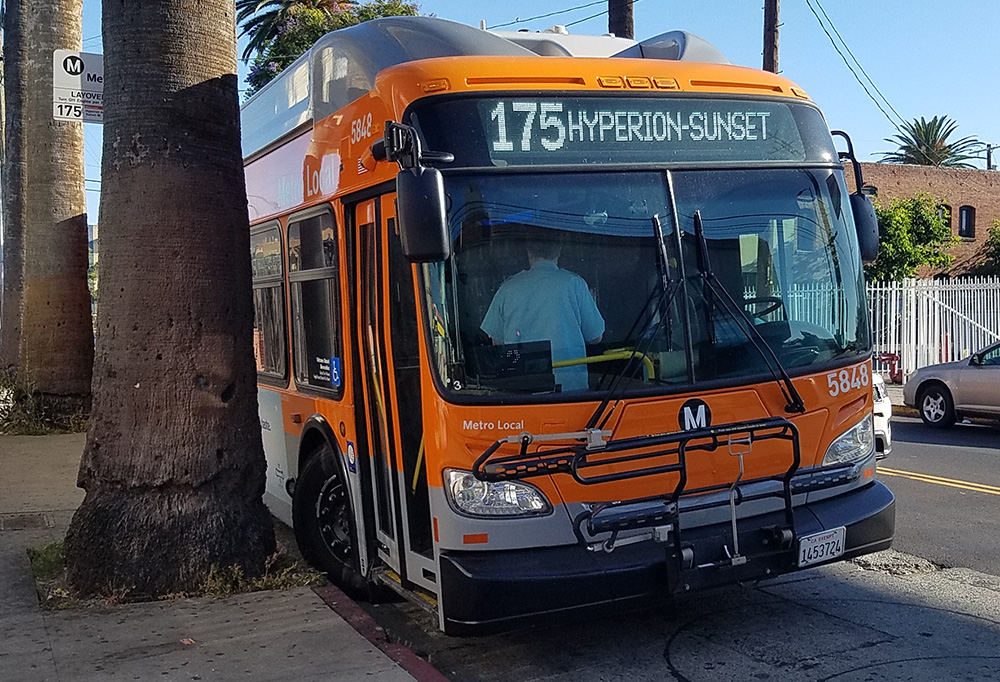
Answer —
609 355
419 465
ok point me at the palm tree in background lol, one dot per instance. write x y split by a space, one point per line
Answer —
282 30
46 331
263 20
925 143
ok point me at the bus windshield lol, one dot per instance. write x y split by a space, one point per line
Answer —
558 285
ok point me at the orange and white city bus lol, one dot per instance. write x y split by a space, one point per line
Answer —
718 429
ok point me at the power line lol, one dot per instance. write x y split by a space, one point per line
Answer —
552 14
917 147
572 9
849 67
89 152
867 77
580 21
861 82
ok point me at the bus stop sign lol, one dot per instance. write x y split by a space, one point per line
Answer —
77 86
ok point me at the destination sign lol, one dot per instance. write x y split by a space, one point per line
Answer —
549 126
624 128
541 129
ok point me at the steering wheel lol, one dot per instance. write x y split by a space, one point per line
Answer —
774 303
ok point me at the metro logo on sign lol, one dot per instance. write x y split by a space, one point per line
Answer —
77 86
73 65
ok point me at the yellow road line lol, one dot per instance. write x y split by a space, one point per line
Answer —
938 480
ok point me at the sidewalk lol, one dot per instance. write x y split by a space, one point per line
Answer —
265 636
895 392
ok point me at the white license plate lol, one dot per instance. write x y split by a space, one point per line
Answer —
821 546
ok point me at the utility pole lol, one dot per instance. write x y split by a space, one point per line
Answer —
771 36
620 21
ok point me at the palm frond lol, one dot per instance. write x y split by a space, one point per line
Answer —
262 20
925 143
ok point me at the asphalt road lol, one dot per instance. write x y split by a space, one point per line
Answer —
891 617
947 487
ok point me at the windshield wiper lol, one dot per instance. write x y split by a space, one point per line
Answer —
793 399
668 289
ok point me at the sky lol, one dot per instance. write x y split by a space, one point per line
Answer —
926 58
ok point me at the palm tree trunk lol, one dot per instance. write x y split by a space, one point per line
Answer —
174 467
13 181
52 331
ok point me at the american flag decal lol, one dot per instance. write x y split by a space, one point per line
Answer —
361 167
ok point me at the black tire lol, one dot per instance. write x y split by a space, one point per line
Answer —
936 407
324 522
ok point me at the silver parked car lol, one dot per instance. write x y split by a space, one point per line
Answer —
953 390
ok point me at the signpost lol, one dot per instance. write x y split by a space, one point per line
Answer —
77 86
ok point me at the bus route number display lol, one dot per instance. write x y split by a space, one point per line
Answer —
539 131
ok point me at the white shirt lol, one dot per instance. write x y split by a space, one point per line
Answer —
547 303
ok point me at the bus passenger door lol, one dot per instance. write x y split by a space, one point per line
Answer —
375 412
389 367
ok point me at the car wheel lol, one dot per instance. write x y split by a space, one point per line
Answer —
936 406
324 522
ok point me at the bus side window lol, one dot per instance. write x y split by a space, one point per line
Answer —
313 276
268 302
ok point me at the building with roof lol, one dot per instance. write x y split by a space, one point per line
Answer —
970 199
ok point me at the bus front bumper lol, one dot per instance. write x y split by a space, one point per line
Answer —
490 591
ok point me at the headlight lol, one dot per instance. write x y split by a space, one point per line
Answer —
854 444
880 391
471 496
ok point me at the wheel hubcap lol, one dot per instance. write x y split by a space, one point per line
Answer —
334 519
934 407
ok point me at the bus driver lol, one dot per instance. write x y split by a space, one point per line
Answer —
547 303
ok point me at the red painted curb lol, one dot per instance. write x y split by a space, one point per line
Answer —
358 619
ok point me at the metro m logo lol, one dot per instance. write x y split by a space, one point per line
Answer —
694 414
73 65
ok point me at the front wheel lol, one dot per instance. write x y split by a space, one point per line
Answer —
936 406
324 522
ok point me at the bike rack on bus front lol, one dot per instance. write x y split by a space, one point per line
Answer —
649 455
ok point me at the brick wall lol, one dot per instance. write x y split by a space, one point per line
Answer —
957 187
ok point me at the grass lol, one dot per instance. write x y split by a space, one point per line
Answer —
48 564
282 571
26 412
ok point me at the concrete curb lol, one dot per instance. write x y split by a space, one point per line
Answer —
366 626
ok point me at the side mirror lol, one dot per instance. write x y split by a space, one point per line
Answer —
975 359
422 215
866 225
865 221
423 218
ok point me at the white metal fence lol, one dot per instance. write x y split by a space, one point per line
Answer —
915 322
923 322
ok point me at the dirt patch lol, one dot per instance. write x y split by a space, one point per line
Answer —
895 563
